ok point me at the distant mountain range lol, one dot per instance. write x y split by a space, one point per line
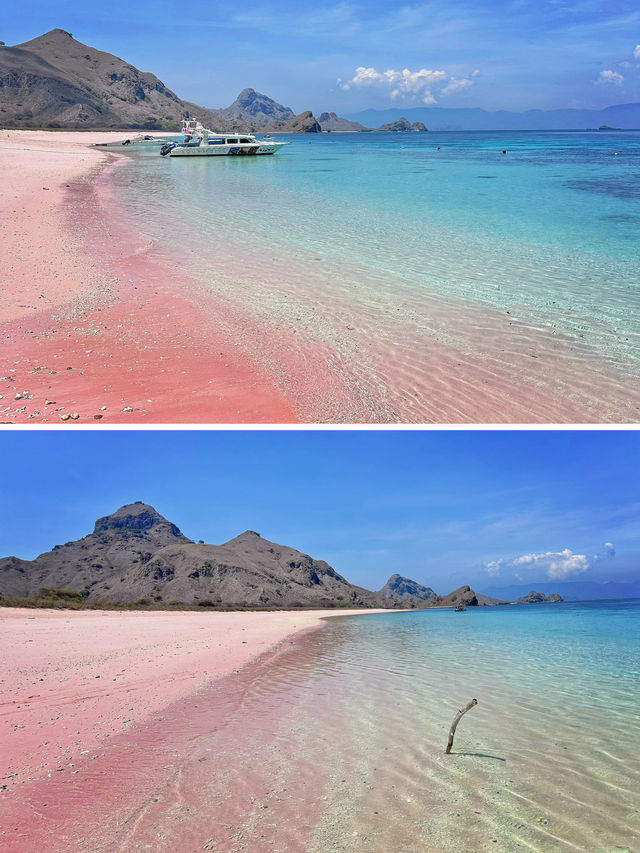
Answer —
54 81
622 116
572 590
135 555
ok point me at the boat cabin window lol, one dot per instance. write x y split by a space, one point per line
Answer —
215 141
245 140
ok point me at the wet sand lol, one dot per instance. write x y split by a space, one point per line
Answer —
91 324
74 678
101 698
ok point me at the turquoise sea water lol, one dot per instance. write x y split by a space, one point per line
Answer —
348 725
336 742
547 231
548 760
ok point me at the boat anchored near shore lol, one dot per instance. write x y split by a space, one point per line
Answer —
198 142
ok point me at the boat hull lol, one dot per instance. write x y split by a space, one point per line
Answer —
225 150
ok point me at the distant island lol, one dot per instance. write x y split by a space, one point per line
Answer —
54 82
136 557
538 598
402 125
618 117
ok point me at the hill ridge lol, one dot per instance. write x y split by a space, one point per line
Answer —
56 81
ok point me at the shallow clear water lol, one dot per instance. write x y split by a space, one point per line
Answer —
336 742
549 759
547 232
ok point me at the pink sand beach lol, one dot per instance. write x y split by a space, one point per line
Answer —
91 324
103 325
96 704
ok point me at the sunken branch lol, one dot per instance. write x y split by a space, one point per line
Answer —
456 720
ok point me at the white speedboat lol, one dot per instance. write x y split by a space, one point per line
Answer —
198 142
140 141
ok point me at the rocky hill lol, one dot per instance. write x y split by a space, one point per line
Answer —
401 125
331 121
117 543
486 600
303 123
463 595
403 592
137 554
408 593
251 110
55 81
538 598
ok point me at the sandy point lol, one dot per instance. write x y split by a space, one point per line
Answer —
94 330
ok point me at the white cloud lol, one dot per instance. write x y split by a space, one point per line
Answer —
421 83
574 564
493 567
636 52
609 548
558 564
609 76
455 85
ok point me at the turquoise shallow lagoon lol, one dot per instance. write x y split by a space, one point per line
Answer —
423 241
336 741
548 760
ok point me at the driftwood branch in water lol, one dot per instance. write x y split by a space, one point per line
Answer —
456 720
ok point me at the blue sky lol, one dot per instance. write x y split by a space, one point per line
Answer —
517 54
444 508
